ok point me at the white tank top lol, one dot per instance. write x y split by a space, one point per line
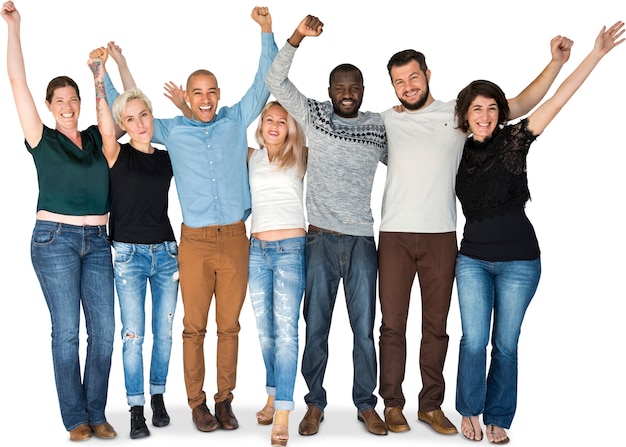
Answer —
277 200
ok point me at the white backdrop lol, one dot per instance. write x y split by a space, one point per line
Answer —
570 387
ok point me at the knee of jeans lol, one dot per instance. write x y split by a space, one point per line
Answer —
131 337
474 341
506 347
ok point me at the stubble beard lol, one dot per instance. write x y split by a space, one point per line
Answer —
420 102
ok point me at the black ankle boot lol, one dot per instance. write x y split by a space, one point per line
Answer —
160 418
138 427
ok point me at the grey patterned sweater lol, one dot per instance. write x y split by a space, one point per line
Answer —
343 154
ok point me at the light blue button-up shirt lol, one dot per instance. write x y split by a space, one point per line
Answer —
209 159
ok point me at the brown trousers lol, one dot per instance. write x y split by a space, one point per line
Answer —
212 261
432 256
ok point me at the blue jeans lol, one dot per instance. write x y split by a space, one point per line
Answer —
329 258
276 282
73 265
134 266
506 289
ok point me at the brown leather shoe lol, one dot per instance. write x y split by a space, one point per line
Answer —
103 431
225 416
395 420
438 421
373 422
80 433
203 418
310 423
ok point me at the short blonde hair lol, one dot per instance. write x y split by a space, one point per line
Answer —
119 105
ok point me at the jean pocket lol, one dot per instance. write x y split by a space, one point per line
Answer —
123 253
369 240
312 238
42 236
172 248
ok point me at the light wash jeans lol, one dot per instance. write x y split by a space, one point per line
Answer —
73 264
331 257
135 265
504 289
276 279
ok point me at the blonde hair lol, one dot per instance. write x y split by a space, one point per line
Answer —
120 102
294 151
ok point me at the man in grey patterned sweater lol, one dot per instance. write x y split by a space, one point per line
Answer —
345 147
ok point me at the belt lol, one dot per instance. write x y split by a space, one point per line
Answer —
314 229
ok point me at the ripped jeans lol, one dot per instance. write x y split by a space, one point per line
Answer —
135 265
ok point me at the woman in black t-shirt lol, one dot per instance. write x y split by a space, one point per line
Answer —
143 239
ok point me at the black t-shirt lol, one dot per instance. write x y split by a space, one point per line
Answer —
504 237
140 186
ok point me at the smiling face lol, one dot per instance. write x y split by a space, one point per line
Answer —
274 127
411 85
482 117
65 107
136 119
346 93
202 95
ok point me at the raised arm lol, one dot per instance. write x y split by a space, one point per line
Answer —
115 52
106 124
277 78
31 123
529 97
254 99
605 42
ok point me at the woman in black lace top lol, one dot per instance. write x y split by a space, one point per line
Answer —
498 265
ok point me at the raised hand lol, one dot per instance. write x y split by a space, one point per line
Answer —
116 53
311 26
261 15
561 47
175 93
97 59
608 38
9 13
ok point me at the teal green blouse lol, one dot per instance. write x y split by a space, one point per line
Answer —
72 181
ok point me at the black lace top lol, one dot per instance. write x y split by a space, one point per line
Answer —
492 187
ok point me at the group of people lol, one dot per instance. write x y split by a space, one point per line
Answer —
95 192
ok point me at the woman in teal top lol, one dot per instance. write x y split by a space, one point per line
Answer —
70 248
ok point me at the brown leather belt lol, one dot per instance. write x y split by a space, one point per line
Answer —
314 229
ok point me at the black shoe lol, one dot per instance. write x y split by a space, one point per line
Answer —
160 418
138 427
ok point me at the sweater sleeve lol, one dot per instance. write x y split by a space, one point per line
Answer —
283 89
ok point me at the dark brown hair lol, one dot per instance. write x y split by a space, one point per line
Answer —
480 88
402 58
59 82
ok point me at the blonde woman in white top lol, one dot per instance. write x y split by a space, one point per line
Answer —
276 266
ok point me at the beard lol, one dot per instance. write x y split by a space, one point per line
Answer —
420 102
